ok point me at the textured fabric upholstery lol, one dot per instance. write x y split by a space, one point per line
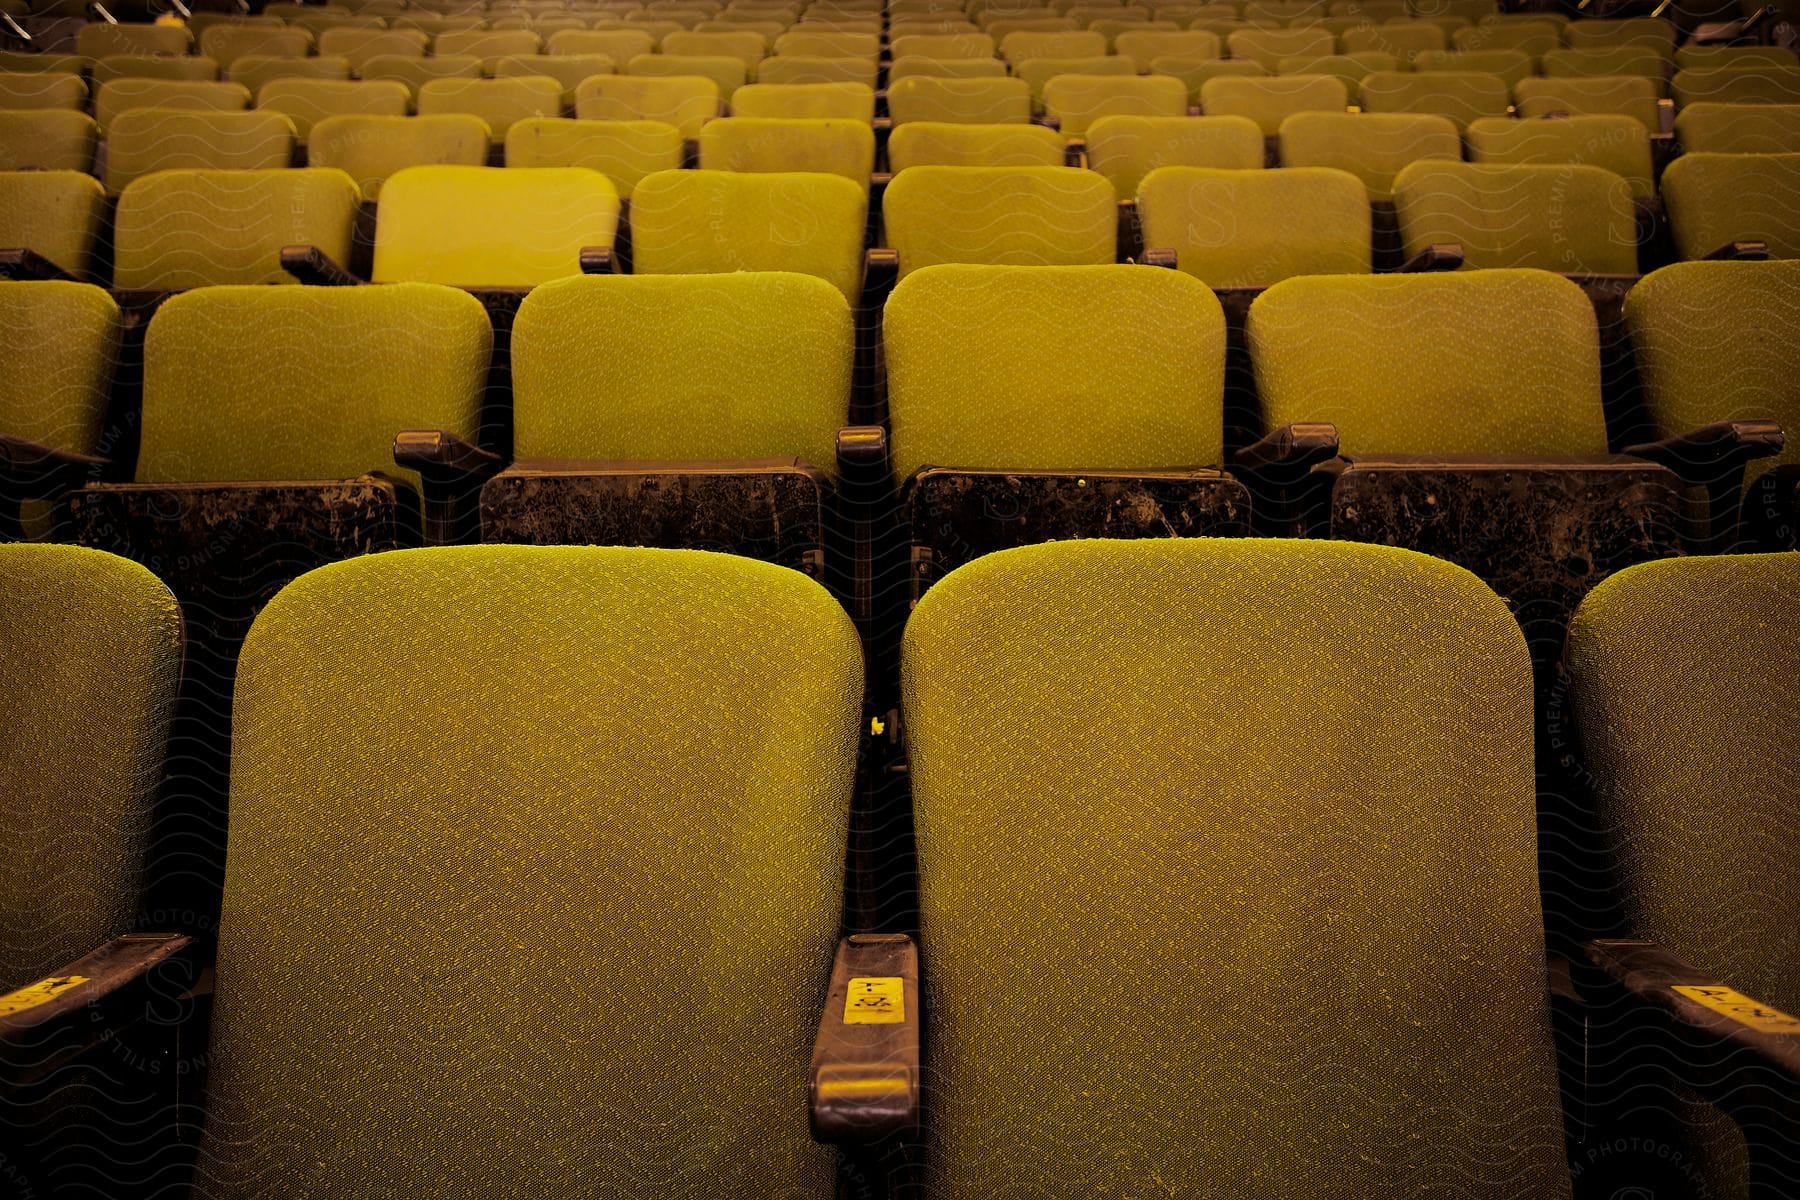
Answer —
567 69
1349 69
1611 141
1653 32
123 95
980 371
1374 147
685 102
1554 217
1463 96
1038 72
416 72
225 44
830 147
1126 148
56 213
1713 199
1629 95
1267 47
165 139
491 226
821 44
948 45
1254 228
99 38
1269 101
747 48
806 101
1760 84
306 383
1142 47
1693 55
620 45
693 367
47 140
136 66
1720 128
975 101
90 648
1034 216
1167 958
1509 65
945 144
26 91
1686 689
581 950
1077 101
56 362
1533 38
1431 364
371 148
623 151
30 61
790 69
1713 343
705 222
1022 45
256 72
499 102
1195 72
182 229
1405 40
361 45
306 102
1609 61
727 72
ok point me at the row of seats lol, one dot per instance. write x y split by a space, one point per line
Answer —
1099 824
516 227
315 383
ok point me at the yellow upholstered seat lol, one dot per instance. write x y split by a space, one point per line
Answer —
1613 141
498 102
1077 101
122 95
306 102
1713 199
686 102
1269 101
1551 216
623 151
839 147
161 139
1626 95
1761 83
1254 228
1463 96
1125 149
1737 128
371 148
809 101
567 69
1371 146
1003 215
975 101
56 364
47 140
54 213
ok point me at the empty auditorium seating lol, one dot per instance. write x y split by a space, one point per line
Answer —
499 101
1075 102
808 223
685 102
1510 65
1565 217
840 147
807 101
189 229
976 101
91 650
143 140
1763 83
665 662
1374 147
1089 726
25 91
135 66
623 151
1715 200
415 72
1036 216
1731 128
1127 148
1269 101
1462 96
947 144
55 215
1246 229
256 73
1630 96
371 148
727 71
1611 141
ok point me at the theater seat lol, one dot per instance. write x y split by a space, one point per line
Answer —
1017 215
623 151
947 144
1629 95
1127 148
1682 686
1101 824
1732 128
122 95
306 102
1463 96
1371 146
1075 102
1564 217
371 148
805 101
1249 229
165 139
499 102
680 675
1002 437
1716 200
1268 101
30 91
686 102
1760 84
1611 141
1709 348
828 147
55 216
976 101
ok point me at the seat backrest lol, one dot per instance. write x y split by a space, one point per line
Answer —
806 69
705 222
306 383
1762 83
99 38
163 139
1463 96
981 375
748 48
499 101
56 213
361 45
1707 346
225 44
623 151
1126 148
1732 128
1695 55
486 43
1566 217
727 72
944 68
1077 101
257 72
1612 141
750 365
1374 147
32 90
806 101
90 650
1533 38
841 147
1022 45
122 95
371 148
972 101
1405 40
686 102
491 226
1034 216
1038 72
1685 684
942 144
1432 364
945 45
1267 47
186 229
1628 95
595 692
137 66
1509 65
306 102
1347 68
567 69
828 45
620 45
415 72
47 140
56 362
1268 101
1233 228
1606 61
1142 46
1101 820
1713 199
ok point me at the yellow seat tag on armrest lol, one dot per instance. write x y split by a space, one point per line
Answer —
1742 1009
41 992
875 1000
